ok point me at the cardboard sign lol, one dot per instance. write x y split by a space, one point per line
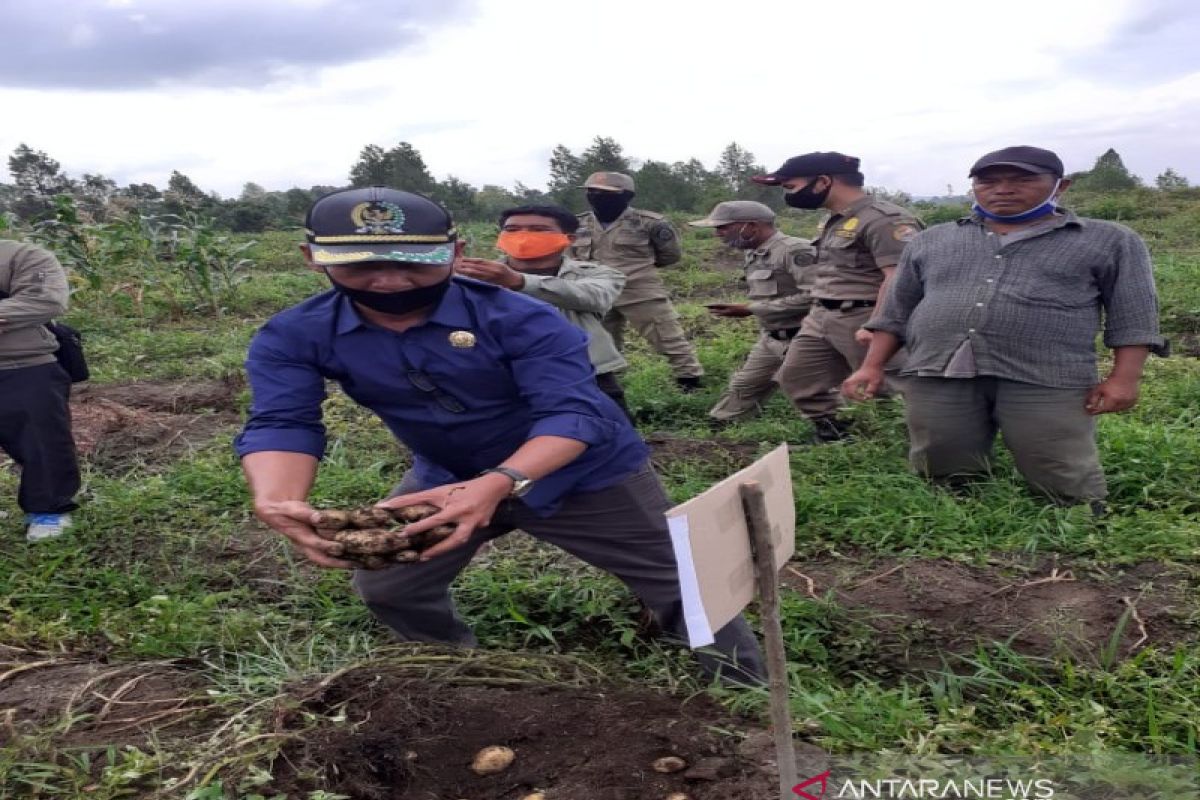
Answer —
712 544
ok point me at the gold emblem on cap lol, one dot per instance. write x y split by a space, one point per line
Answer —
462 339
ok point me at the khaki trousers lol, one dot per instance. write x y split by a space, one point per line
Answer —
658 323
952 424
820 357
753 382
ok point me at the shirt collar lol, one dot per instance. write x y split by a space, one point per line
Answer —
762 248
855 207
451 312
1063 220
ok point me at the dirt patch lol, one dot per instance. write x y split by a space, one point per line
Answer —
409 739
174 397
926 607
97 704
150 423
733 455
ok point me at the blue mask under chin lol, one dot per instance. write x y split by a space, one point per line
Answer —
1046 207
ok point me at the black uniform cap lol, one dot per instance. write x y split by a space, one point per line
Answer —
376 223
810 165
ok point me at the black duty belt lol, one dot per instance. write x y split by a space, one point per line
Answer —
783 334
844 305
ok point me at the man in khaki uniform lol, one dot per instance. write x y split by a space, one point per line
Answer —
636 242
858 247
779 280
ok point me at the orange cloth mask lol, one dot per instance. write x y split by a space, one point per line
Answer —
529 245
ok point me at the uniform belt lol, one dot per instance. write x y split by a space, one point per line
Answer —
844 305
783 334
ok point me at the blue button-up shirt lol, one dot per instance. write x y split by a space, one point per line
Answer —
459 409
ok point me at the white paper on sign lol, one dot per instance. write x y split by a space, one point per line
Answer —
712 543
699 632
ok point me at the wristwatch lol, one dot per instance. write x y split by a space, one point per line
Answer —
522 483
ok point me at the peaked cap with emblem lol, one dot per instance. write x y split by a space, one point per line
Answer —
376 223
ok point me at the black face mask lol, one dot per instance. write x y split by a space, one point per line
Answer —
396 302
805 197
608 205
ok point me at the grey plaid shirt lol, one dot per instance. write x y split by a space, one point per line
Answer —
1030 305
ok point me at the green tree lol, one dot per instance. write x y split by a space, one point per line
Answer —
737 166
899 197
1170 181
402 167
458 197
492 199
142 192
252 191
1108 175
565 175
38 179
660 187
184 195
297 202
604 155
94 193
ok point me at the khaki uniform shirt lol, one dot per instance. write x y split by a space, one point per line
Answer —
779 277
636 243
583 293
39 289
853 245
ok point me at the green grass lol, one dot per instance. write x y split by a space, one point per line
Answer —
168 564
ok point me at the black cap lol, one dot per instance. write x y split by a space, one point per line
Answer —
1030 159
376 223
810 165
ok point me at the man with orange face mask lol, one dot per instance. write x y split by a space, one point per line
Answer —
534 240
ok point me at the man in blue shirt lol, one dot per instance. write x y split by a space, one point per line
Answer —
493 393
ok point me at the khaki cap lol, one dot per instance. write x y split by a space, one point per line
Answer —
735 211
609 182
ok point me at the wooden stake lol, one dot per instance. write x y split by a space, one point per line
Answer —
755 507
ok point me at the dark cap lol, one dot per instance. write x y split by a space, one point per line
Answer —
1030 159
609 182
810 165
376 223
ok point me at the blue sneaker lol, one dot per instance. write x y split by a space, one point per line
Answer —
46 526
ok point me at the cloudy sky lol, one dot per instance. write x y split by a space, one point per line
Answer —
287 92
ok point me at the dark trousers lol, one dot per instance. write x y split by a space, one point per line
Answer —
35 430
610 384
620 530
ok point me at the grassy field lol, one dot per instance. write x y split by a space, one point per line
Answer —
917 621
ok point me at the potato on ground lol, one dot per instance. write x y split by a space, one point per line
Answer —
491 760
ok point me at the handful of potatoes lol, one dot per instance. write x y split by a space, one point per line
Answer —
374 538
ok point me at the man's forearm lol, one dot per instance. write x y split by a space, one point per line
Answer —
883 346
1128 362
275 475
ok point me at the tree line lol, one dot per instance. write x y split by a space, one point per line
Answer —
682 186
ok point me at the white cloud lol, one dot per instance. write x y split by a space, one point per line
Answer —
918 91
